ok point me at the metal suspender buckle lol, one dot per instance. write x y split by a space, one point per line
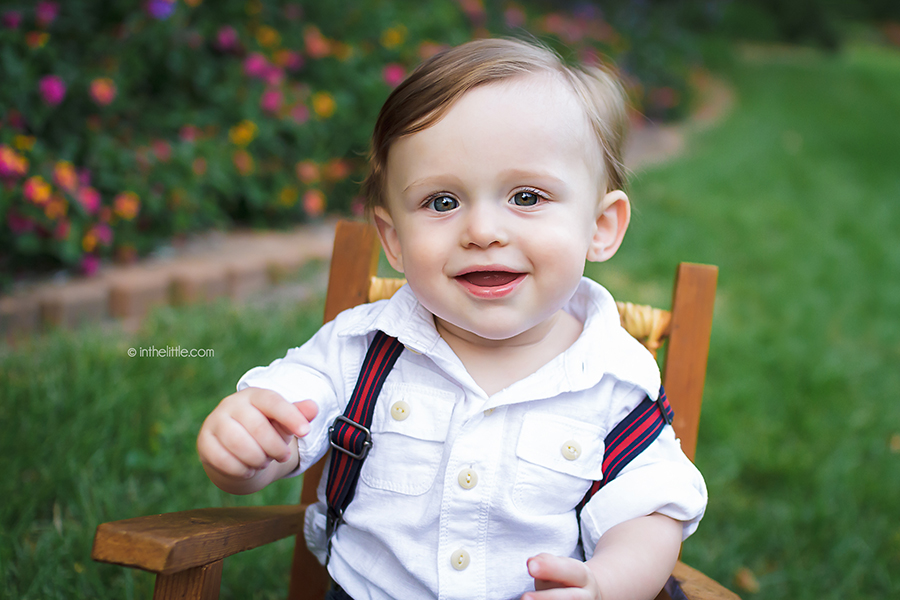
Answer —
367 443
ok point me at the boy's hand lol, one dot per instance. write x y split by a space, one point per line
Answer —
558 578
251 428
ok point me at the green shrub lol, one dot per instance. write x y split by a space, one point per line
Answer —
123 124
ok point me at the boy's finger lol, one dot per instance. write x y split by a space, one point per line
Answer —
237 439
309 409
216 456
566 571
281 411
271 437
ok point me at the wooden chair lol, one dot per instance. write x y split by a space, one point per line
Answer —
186 549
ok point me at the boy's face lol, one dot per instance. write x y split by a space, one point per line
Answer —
492 211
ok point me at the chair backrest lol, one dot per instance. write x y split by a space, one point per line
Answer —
353 281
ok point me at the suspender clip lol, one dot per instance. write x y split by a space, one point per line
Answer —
367 443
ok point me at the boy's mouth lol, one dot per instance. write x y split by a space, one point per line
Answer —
490 278
490 283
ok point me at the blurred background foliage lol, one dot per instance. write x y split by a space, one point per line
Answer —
125 123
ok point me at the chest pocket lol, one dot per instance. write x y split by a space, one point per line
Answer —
559 458
409 429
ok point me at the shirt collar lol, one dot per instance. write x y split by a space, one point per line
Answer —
603 348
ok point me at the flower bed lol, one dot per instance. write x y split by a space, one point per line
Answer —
124 124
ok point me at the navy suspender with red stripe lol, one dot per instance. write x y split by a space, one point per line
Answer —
351 437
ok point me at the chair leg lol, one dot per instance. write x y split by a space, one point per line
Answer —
199 583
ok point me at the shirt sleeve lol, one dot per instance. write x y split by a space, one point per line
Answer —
661 479
311 372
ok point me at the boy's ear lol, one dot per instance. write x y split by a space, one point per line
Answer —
390 241
613 216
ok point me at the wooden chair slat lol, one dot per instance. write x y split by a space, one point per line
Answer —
199 583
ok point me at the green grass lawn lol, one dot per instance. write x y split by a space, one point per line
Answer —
796 196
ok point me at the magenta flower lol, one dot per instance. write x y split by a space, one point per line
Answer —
90 264
227 38
300 114
393 74
89 199
256 66
45 12
11 19
53 89
271 100
62 229
160 9
104 233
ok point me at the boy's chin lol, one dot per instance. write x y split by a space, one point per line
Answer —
486 334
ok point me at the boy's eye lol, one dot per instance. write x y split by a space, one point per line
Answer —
443 203
525 199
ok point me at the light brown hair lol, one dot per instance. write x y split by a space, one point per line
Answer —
432 88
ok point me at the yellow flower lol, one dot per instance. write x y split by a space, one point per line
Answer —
323 103
393 37
24 142
37 190
242 133
288 196
267 36
342 51
89 241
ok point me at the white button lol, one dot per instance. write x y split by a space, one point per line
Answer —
400 410
488 411
468 478
459 559
571 450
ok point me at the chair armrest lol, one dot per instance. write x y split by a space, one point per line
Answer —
173 542
694 585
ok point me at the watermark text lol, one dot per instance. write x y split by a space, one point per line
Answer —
171 352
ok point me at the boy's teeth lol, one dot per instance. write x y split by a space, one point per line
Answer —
489 278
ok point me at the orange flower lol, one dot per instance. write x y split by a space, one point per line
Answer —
317 45
336 169
65 176
307 171
243 162
314 203
103 90
56 208
89 241
126 205
37 190
323 103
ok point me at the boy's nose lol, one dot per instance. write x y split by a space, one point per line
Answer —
485 227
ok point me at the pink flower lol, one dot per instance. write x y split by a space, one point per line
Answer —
46 12
65 176
317 45
162 150
273 75
393 74
300 114
104 233
90 264
11 19
514 16
37 190
53 89
89 199
271 100
189 133
61 231
227 38
256 66
84 177
103 90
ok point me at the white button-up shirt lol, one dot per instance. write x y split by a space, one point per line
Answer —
460 488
